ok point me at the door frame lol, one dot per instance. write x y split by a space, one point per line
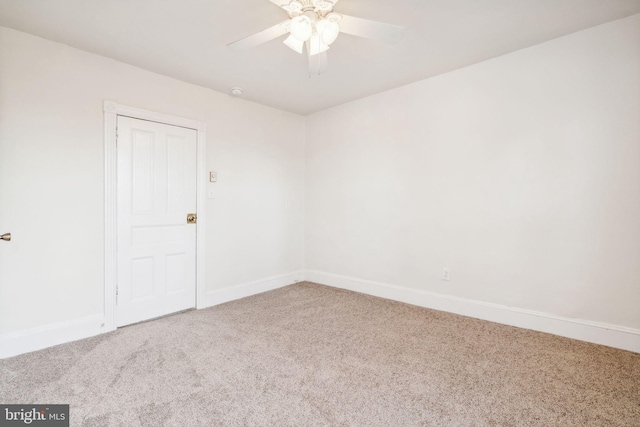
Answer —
111 112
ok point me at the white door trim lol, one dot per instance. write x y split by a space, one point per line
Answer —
111 111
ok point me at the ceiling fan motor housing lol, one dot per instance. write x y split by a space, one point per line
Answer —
319 8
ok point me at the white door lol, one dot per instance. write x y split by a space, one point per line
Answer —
156 246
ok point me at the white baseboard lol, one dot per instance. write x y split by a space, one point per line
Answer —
15 343
220 296
584 330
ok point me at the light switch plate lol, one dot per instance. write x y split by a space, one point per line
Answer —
213 176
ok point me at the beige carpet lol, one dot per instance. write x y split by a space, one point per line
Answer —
308 355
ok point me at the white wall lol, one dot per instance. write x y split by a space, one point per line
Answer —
52 179
521 174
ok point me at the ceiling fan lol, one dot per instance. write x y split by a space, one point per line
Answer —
314 26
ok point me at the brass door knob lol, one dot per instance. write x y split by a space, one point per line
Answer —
6 237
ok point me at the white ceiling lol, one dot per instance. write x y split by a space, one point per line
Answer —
187 39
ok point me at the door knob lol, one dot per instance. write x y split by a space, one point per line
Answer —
6 237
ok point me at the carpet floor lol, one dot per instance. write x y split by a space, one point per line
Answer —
311 355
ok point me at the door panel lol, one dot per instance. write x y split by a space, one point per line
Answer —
156 246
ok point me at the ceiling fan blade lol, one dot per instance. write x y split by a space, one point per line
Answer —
318 64
387 33
259 38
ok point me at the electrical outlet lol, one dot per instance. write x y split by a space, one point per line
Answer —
446 274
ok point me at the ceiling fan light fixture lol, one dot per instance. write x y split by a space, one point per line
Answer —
328 31
301 28
294 43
